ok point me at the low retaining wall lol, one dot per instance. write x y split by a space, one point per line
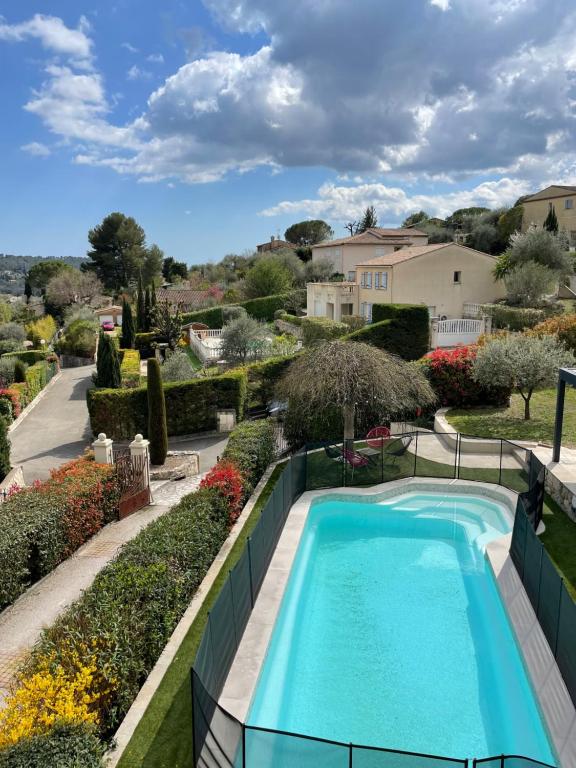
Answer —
285 327
561 494
468 444
69 361
14 477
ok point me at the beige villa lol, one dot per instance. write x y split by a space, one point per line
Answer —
347 252
444 277
563 199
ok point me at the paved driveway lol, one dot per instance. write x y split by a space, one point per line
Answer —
56 429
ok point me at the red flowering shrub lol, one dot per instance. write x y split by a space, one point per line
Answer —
13 396
450 374
228 481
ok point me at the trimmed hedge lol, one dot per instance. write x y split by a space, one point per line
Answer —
143 343
518 318
321 328
190 406
262 309
29 356
41 526
251 449
65 746
262 380
402 329
19 395
130 368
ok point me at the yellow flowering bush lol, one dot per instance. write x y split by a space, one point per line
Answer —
67 690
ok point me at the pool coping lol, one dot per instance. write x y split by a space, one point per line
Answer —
549 688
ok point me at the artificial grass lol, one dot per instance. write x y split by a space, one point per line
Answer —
559 540
509 423
163 737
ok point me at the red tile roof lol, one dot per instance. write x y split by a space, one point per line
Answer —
375 235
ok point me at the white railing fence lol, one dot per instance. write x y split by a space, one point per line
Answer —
205 351
472 310
451 333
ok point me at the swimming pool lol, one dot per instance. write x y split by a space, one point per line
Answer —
391 633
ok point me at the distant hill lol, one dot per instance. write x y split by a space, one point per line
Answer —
14 268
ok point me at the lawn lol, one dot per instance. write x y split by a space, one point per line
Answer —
509 422
163 738
196 363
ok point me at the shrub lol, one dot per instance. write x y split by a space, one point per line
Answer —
402 329
177 367
19 371
107 363
261 309
130 368
29 356
251 449
5 409
225 477
9 346
12 396
157 429
13 332
242 338
79 339
42 525
7 371
527 283
43 328
563 326
232 313
5 465
64 746
518 318
190 406
354 322
262 379
144 344
450 374
320 328
128 330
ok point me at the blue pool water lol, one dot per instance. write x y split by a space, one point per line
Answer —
391 633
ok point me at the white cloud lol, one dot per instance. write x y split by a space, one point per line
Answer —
135 73
155 58
52 33
342 203
36 148
444 5
129 47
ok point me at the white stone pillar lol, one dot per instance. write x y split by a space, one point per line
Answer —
140 447
103 450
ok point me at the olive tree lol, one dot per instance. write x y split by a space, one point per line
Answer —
527 284
354 378
522 363
242 338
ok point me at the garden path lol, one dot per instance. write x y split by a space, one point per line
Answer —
57 429
22 622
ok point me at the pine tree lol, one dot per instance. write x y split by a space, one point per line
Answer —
128 339
369 220
147 310
157 428
5 466
107 363
140 307
551 221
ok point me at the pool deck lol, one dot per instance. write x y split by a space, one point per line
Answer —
243 677
554 700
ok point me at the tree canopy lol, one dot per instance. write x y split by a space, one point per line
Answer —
119 253
174 270
309 232
368 220
415 218
242 337
40 274
266 278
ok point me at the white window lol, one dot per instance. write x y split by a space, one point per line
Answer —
379 250
351 277
363 309
368 279
381 280
362 279
369 312
376 279
569 203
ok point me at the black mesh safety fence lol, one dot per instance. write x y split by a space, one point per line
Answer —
509 761
220 740
552 603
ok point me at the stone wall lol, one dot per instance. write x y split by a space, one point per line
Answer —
285 327
561 494
69 361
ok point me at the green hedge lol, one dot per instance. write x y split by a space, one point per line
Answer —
262 380
402 329
65 746
261 309
190 406
251 448
130 368
318 328
518 318
143 343
41 526
29 356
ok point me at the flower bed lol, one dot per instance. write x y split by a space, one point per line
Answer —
99 653
41 526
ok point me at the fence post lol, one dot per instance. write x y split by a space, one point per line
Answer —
243 745
502 760
415 455
250 571
457 457
500 466
558 618
350 755
194 755
233 609
103 453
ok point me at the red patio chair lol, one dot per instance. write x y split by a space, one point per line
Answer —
376 437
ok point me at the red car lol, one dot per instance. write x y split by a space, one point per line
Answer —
107 325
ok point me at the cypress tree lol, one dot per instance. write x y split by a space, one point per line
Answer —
27 290
19 372
147 310
127 326
5 466
140 307
551 221
108 364
157 428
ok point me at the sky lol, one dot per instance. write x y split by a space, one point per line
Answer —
218 123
